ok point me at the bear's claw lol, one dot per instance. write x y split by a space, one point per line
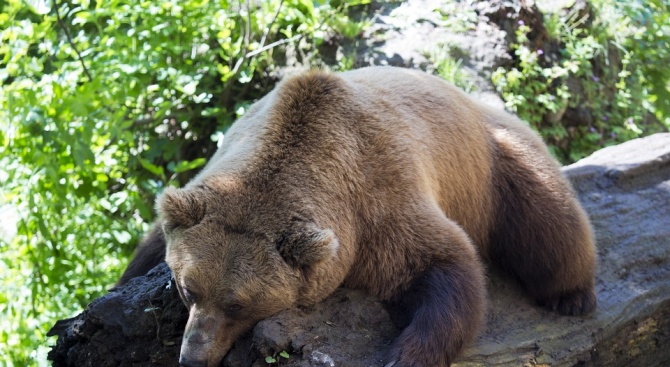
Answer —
575 303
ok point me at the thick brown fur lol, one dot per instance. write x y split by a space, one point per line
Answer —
381 179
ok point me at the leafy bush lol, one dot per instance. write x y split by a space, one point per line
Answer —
102 105
643 30
601 88
449 68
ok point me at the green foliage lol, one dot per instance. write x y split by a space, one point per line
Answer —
613 86
643 30
270 360
449 68
103 104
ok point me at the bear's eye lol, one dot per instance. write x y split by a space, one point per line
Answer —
234 309
188 296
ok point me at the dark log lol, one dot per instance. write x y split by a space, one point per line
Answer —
626 191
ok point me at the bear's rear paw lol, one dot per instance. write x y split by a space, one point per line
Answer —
408 355
575 303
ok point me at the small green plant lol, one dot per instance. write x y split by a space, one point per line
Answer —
273 359
341 22
449 68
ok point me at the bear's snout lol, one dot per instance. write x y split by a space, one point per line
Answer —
199 349
186 362
195 350
204 343
208 336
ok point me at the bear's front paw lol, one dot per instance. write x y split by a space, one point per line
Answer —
575 303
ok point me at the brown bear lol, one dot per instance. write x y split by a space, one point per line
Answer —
382 179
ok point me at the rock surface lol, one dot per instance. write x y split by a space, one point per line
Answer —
475 34
414 33
626 191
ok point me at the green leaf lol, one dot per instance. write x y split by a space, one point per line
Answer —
122 236
118 198
270 359
189 88
156 170
184 166
41 7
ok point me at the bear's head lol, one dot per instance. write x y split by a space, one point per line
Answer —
232 270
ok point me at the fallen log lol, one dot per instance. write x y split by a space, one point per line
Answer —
626 191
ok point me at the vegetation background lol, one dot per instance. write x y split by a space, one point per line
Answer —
103 104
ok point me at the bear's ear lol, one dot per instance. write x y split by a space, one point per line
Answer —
306 244
180 208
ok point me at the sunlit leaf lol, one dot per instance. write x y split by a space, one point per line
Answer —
184 166
156 170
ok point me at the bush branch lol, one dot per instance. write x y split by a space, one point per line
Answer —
69 39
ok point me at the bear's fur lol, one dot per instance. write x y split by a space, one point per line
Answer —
381 179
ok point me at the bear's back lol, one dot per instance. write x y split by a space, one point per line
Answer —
377 138
443 134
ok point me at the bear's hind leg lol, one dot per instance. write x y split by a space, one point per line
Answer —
543 237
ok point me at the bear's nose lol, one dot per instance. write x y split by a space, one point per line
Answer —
187 362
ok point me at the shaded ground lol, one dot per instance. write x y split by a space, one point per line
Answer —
626 191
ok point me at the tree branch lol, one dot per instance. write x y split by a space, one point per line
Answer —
245 49
274 44
247 40
69 39
269 27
